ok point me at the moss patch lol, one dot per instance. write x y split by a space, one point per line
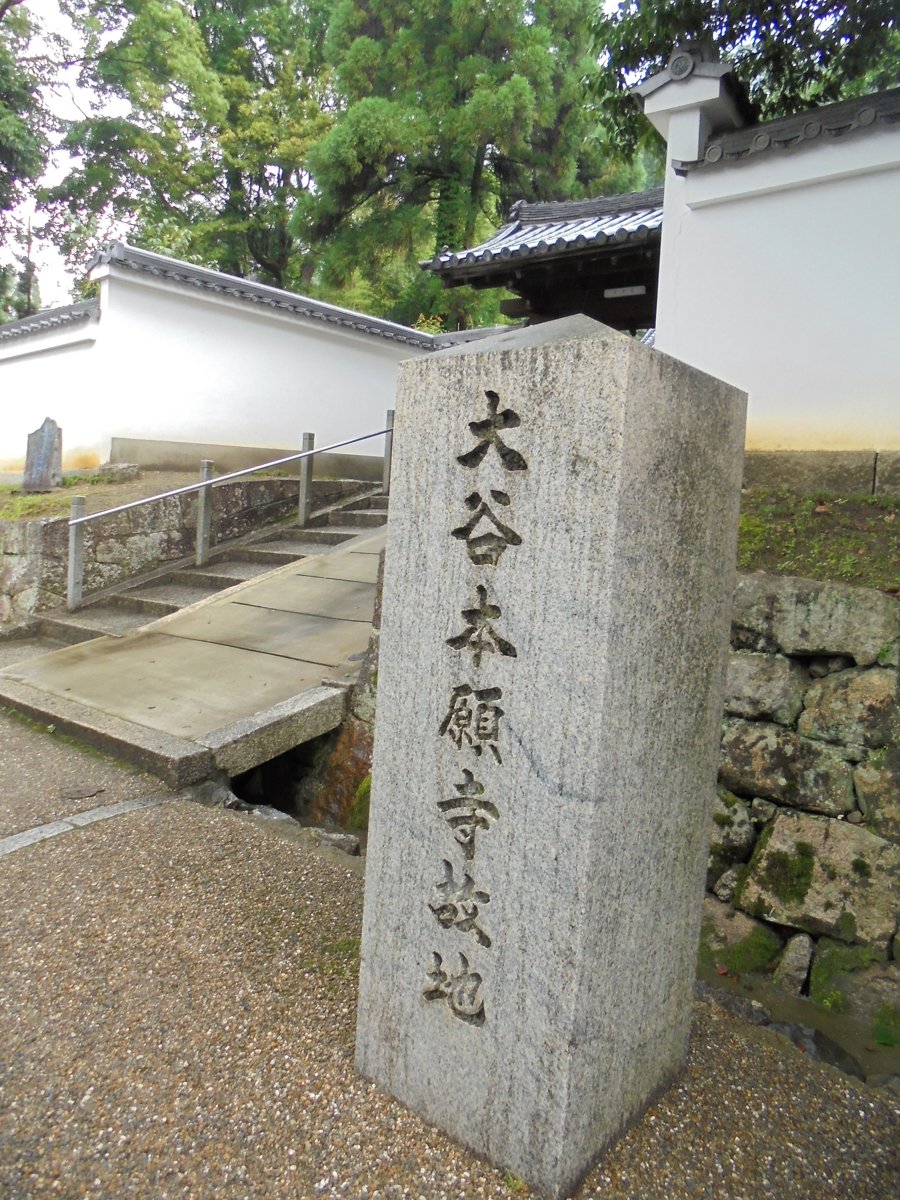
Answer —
886 1026
751 954
833 960
788 876
358 817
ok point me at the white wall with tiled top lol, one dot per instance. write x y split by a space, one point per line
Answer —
781 274
177 362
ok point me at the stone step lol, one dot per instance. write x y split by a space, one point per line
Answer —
377 503
333 535
223 573
364 518
97 620
162 598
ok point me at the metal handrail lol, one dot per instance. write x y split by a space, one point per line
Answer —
196 487
79 518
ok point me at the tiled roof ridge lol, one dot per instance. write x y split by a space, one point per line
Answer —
574 210
562 228
124 255
50 318
829 122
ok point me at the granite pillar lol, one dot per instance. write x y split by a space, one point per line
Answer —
557 596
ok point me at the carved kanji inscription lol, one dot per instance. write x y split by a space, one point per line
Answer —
473 719
468 811
486 548
463 990
479 635
456 904
488 434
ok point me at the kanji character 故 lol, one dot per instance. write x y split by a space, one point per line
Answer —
456 905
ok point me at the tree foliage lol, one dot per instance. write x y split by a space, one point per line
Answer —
202 120
789 56
450 111
23 118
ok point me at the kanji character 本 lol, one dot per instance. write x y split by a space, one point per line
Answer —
474 718
456 905
479 634
462 991
489 434
466 812
486 549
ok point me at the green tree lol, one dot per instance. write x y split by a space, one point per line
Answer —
789 55
451 110
203 116
23 117
19 291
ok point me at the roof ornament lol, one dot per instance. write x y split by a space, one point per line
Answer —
686 57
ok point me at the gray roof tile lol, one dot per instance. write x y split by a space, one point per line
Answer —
120 254
832 121
551 230
50 318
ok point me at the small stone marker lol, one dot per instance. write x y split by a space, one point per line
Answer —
557 599
43 458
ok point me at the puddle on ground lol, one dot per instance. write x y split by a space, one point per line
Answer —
865 1058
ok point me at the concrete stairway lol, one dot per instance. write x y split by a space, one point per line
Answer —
128 607
231 681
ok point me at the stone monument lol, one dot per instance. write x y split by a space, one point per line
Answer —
43 458
557 596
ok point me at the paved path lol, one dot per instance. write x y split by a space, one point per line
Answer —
225 684
177 1004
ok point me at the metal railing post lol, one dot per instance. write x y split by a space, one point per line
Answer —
204 513
307 443
388 451
75 577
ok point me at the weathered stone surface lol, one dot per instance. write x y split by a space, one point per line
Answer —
803 616
504 989
759 759
731 835
825 877
347 843
871 994
762 811
726 885
793 966
846 472
853 708
732 940
877 784
887 473
827 664
43 458
764 685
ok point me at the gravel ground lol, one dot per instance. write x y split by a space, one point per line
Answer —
46 777
176 1020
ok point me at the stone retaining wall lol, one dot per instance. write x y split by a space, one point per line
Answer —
34 554
805 833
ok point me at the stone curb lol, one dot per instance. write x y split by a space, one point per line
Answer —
40 833
246 743
174 760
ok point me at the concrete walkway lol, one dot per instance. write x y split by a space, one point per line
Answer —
223 685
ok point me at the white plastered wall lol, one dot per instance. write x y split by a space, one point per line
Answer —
781 275
175 362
